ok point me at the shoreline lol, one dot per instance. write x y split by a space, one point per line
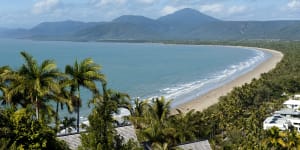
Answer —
212 97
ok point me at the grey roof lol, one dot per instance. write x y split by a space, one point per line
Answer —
127 132
201 145
72 140
276 120
287 111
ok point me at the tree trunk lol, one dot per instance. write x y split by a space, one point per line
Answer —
78 112
37 108
56 118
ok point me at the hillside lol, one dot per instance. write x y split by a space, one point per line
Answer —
185 24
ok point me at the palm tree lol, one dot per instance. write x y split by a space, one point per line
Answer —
139 107
185 126
68 124
158 146
83 74
101 129
9 81
292 140
5 78
62 98
274 138
36 81
154 125
160 109
121 100
138 112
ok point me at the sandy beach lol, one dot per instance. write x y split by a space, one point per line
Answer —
210 98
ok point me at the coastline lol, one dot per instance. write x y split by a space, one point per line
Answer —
212 97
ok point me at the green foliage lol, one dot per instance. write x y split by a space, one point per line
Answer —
22 131
185 125
155 125
83 74
68 124
236 121
276 139
101 133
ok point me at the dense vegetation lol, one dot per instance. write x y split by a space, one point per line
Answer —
234 123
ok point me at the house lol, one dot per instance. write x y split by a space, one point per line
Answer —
293 104
128 132
297 96
277 121
73 140
200 145
287 117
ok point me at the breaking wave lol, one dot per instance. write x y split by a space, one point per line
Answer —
217 78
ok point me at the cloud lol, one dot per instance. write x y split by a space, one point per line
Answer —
293 4
211 8
100 3
45 6
219 9
168 10
146 1
236 9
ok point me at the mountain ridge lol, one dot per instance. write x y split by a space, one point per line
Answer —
184 24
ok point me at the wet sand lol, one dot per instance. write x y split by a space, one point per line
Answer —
204 101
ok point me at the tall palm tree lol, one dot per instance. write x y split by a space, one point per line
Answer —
139 107
5 78
10 79
154 126
62 99
185 126
68 124
160 109
36 81
83 74
101 128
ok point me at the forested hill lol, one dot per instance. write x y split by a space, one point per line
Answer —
185 24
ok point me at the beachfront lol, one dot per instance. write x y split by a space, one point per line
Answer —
204 101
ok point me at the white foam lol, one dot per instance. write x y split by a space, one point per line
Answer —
235 69
217 78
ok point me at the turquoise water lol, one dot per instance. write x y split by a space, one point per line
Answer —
178 72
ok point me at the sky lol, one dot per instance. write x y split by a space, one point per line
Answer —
28 13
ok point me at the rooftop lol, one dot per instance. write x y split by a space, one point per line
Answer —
292 102
201 145
287 111
297 96
275 120
73 140
278 121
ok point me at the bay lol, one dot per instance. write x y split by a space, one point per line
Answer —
144 70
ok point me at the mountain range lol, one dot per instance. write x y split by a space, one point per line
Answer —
185 24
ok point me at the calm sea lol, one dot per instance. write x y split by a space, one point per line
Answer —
179 72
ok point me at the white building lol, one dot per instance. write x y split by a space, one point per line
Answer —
287 117
277 121
293 104
297 96
295 122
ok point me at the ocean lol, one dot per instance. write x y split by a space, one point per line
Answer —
144 70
